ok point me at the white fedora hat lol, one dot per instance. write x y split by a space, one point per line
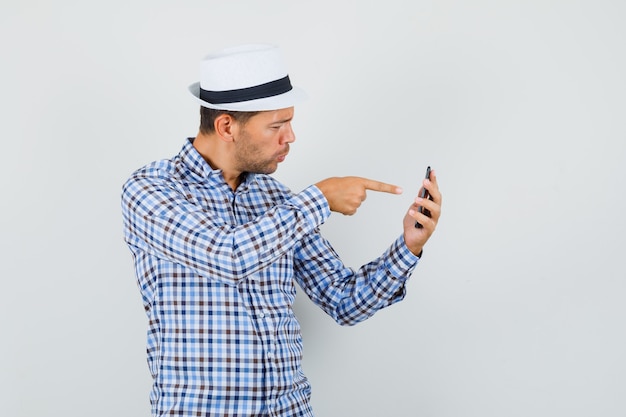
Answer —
246 78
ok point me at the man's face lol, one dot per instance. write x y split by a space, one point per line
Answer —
263 142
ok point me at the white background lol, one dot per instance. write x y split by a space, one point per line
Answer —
517 308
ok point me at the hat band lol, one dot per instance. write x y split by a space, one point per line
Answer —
273 88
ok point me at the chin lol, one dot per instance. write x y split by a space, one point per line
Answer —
265 170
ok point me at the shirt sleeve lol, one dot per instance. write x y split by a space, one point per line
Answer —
351 296
160 221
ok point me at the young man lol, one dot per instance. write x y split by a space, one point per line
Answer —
219 244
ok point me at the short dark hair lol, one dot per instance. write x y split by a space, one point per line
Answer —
208 116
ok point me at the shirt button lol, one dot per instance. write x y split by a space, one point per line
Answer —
262 315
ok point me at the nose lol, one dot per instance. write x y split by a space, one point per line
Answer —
289 136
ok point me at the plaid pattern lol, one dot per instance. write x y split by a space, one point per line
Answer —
216 271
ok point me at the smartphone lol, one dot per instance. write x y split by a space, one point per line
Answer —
424 194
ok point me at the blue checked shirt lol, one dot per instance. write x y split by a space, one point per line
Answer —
216 271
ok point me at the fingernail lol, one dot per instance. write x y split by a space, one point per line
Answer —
399 190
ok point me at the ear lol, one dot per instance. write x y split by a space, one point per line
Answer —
225 127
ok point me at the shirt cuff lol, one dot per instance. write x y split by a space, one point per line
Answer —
312 204
401 261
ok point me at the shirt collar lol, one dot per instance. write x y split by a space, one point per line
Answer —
190 156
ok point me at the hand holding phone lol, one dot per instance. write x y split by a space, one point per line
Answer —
424 194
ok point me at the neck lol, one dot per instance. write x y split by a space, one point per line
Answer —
218 155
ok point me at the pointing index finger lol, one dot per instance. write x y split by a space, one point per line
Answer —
381 186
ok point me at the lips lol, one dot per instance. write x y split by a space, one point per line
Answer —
281 157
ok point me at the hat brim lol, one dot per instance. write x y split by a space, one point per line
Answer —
281 101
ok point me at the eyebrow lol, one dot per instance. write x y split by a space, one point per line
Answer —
282 121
